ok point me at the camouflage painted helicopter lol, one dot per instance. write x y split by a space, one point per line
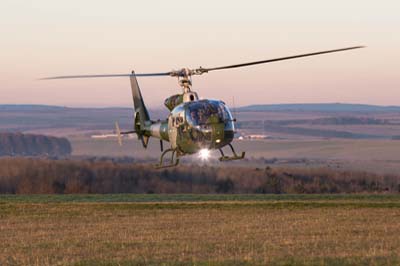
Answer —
193 125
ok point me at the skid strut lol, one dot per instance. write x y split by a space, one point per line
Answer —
174 159
235 156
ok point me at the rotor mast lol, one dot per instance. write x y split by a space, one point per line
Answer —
185 77
185 80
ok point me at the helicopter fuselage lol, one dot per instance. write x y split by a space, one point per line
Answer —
196 125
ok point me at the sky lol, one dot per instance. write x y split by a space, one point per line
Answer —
50 38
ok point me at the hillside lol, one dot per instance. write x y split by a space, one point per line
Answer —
351 121
17 144
30 107
320 107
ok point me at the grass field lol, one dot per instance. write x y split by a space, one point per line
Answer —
365 150
376 156
200 230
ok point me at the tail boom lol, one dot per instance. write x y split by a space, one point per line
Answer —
144 126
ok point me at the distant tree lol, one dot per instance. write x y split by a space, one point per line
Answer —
29 176
224 186
18 144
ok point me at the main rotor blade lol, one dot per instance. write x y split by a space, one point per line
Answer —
278 59
110 76
188 72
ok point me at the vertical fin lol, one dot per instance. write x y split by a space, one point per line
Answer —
145 140
140 109
138 102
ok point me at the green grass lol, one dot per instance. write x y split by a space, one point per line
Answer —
148 198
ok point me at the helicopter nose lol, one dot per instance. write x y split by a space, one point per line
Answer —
228 135
226 138
222 134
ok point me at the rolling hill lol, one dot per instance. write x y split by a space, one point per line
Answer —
320 107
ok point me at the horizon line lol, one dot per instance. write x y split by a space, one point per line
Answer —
162 106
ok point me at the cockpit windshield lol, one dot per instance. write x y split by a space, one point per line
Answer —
207 112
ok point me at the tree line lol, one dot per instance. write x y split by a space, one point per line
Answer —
44 176
18 144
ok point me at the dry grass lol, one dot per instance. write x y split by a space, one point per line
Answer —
199 233
323 149
376 156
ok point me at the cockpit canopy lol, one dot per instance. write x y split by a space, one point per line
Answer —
207 112
202 124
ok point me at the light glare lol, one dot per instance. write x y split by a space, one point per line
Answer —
204 154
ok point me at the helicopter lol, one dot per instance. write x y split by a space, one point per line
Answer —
193 125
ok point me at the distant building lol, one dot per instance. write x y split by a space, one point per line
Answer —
105 136
253 137
258 136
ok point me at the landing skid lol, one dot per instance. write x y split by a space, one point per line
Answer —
225 158
174 159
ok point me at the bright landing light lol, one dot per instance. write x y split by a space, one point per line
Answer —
204 154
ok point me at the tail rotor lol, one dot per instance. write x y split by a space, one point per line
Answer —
119 133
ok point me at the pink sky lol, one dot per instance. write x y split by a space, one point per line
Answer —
51 38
